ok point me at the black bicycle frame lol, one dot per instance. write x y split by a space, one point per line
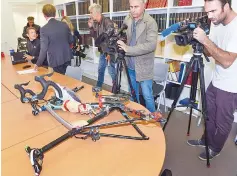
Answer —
36 155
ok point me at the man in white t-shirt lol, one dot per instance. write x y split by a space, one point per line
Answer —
221 95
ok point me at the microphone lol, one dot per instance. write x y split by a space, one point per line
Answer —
173 28
123 27
107 34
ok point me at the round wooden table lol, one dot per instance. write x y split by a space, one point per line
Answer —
105 157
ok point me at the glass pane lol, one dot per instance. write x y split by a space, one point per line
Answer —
83 7
71 9
83 24
161 21
104 4
121 5
118 20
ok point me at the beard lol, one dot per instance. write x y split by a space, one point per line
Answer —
220 20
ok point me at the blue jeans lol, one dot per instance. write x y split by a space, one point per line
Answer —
147 91
101 70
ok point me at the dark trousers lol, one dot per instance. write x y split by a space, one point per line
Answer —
221 106
62 68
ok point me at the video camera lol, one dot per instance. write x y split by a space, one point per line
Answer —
80 53
186 31
109 39
186 28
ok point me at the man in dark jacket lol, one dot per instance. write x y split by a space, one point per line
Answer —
55 42
30 23
33 46
102 25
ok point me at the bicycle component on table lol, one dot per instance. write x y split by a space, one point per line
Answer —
76 89
87 128
96 90
117 98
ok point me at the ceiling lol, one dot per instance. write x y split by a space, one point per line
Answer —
29 2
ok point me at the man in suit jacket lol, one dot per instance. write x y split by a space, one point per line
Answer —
55 40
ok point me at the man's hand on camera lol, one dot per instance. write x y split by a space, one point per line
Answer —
200 35
90 23
108 57
78 48
122 45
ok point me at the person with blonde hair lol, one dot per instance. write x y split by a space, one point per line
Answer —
77 39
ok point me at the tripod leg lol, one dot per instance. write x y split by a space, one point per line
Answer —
76 60
129 82
120 77
193 91
204 109
189 122
189 67
116 86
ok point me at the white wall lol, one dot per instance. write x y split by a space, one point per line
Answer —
197 2
39 19
234 5
14 18
8 32
59 2
20 14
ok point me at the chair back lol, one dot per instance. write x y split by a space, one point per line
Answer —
74 72
161 72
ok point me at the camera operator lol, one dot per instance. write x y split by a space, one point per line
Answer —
221 95
142 35
102 24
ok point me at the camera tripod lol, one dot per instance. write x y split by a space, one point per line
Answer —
77 60
79 54
197 67
121 63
